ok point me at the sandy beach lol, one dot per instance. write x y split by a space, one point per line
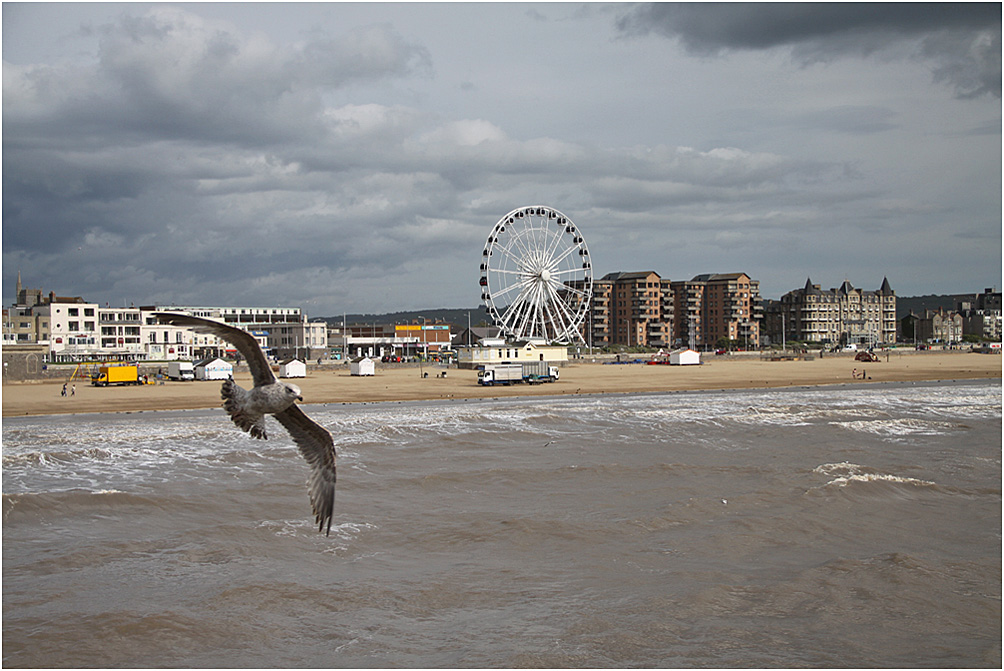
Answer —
406 384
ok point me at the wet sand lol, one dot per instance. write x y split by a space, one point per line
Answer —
336 385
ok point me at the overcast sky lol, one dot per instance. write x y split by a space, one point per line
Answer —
354 157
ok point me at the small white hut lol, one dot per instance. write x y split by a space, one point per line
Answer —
292 368
213 369
684 357
362 366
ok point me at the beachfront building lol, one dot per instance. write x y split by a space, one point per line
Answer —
121 333
633 309
841 316
642 309
22 326
499 350
981 316
424 338
404 340
934 326
719 309
281 332
73 328
688 302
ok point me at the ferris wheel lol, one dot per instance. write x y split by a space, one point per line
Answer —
536 276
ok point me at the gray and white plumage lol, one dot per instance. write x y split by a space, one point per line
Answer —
247 409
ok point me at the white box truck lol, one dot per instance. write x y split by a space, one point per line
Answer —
535 372
501 373
181 370
517 373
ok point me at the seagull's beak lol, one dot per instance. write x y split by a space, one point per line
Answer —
299 398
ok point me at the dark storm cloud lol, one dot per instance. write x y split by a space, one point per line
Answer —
174 118
963 40
170 75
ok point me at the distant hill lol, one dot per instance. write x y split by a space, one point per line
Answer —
457 317
917 304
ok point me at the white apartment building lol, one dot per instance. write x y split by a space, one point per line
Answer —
121 332
281 333
73 328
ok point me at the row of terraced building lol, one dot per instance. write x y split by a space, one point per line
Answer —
642 309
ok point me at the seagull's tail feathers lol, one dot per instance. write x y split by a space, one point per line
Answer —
234 402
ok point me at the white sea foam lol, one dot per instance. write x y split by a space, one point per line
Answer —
844 473
900 427
878 477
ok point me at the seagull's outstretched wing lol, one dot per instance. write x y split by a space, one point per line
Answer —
318 448
242 340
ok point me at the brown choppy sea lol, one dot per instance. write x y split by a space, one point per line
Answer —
824 527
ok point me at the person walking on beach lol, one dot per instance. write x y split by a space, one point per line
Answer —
73 390
63 393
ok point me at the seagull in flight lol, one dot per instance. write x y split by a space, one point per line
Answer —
247 409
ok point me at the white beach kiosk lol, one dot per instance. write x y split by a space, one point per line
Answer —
213 369
684 357
362 366
292 368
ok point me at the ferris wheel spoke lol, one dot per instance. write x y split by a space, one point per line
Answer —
556 244
526 241
572 290
518 288
565 254
505 271
526 319
514 247
551 303
564 315
506 285
537 250
567 271
516 257
516 308
549 306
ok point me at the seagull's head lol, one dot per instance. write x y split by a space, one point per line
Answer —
293 392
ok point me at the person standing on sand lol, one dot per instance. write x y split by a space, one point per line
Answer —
63 393
73 390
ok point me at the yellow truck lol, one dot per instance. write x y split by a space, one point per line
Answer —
107 375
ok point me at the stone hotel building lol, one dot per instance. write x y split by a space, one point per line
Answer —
837 316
